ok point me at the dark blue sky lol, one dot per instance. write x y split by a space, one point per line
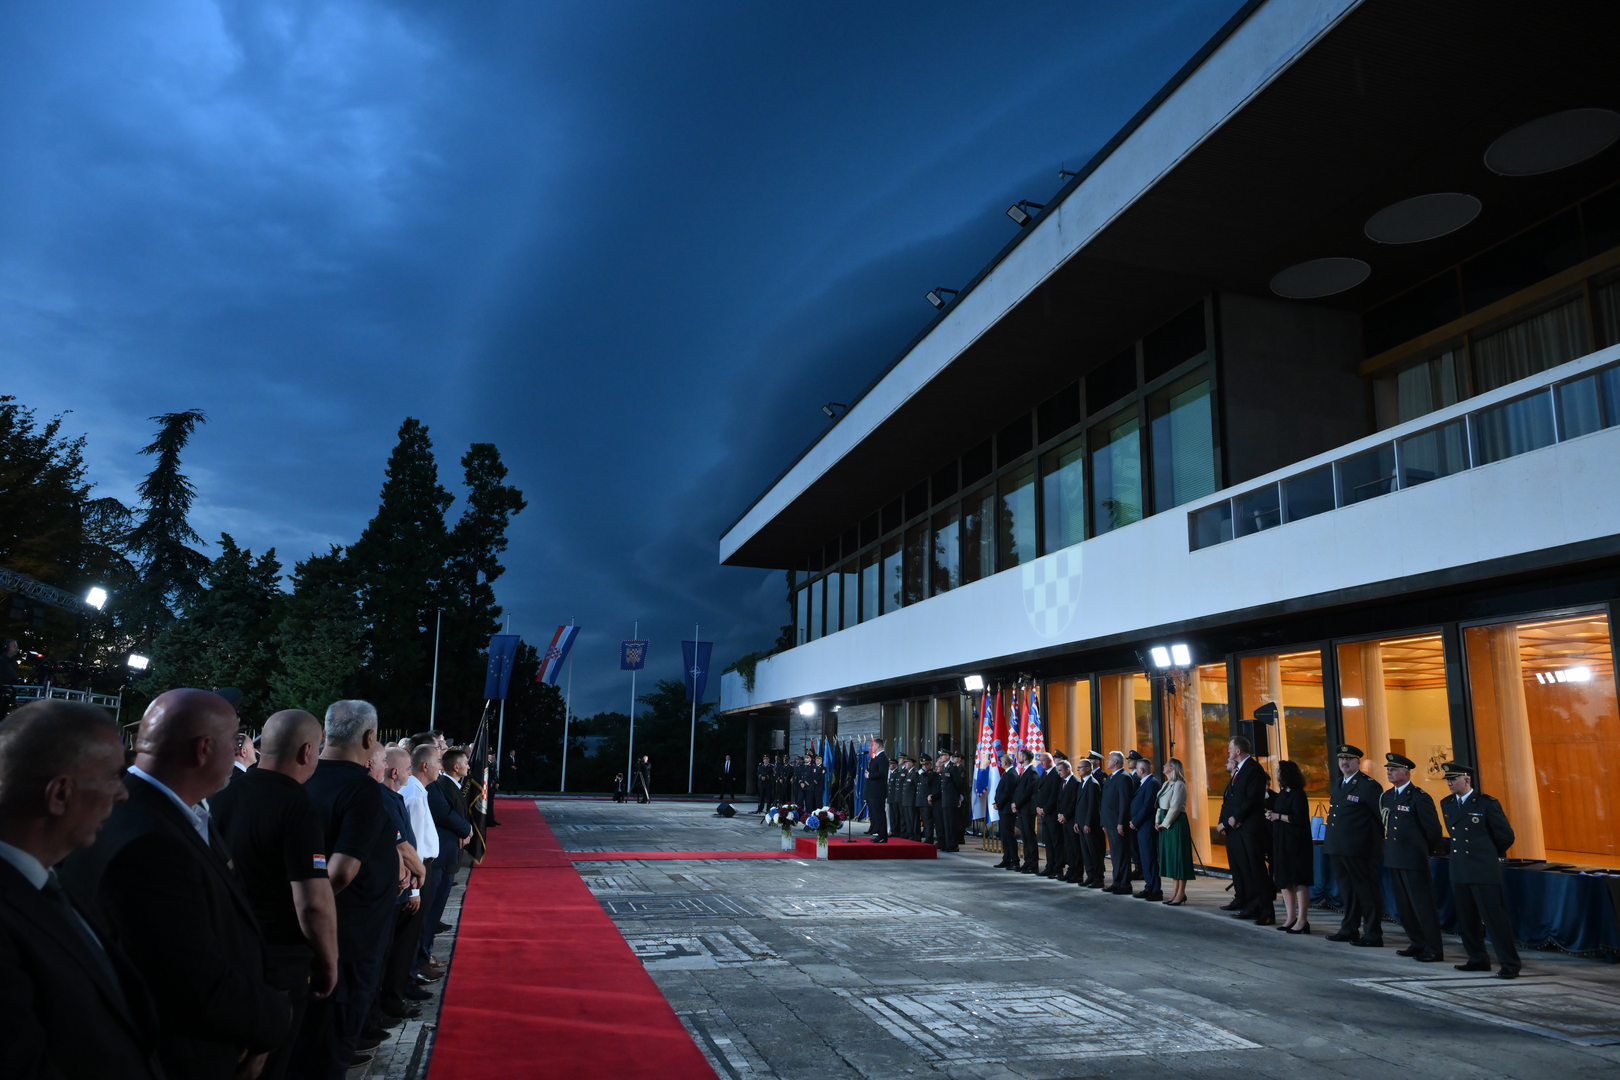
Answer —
636 245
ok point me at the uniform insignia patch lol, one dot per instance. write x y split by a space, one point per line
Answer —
1404 809
320 862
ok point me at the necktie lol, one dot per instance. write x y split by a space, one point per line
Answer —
52 890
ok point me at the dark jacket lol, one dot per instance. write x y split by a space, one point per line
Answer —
1117 793
951 785
1005 789
1024 793
178 910
65 1016
1353 825
1068 794
1245 796
1480 836
877 778
451 825
1088 803
928 788
1145 803
1411 828
1046 792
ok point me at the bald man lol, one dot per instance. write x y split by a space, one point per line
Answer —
162 881
278 843
74 1007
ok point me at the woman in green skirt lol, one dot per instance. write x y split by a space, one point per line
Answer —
1175 838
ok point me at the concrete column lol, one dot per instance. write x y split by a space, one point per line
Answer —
1522 797
1375 707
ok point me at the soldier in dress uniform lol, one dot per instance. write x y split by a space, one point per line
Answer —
1480 836
762 773
818 782
927 798
897 823
947 803
1354 839
1411 833
908 794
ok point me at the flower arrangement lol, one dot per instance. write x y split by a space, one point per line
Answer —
824 822
784 817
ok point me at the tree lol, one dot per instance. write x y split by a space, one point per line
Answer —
399 566
534 724
319 636
171 570
225 638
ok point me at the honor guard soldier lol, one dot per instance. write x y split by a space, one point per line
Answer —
1411 834
908 797
1354 838
818 783
1480 836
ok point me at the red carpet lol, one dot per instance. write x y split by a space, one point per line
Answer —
543 984
839 848
614 856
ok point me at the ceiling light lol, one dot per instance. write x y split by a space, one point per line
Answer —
1580 674
1540 678
807 708
1422 217
1320 277
1350 702
1161 656
938 300
1181 655
1019 211
137 662
973 683
96 597
1553 142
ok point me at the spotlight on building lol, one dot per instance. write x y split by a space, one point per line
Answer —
1169 656
973 683
935 297
830 406
807 708
1067 174
1181 655
1161 656
1019 211
137 662
96 597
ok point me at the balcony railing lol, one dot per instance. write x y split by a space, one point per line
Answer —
61 693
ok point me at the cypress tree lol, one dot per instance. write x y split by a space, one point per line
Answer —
171 570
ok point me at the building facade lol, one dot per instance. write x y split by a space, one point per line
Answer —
1314 370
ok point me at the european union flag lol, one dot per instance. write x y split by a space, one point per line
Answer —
502 652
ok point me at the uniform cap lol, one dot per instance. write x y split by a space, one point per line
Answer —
1454 769
1095 755
1398 761
1346 750
1133 756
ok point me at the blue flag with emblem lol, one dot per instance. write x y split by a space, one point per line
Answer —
502 654
696 655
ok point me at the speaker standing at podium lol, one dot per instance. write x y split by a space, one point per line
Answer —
877 792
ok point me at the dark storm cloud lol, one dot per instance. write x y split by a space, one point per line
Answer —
635 245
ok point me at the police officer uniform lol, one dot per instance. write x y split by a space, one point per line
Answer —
927 797
945 805
763 775
908 797
818 785
1354 840
1480 836
1411 833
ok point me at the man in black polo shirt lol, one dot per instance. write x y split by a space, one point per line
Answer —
278 845
364 869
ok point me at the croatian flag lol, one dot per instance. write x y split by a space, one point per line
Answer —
1033 738
1014 742
1002 742
551 664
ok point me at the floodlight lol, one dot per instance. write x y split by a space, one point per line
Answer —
807 708
830 406
1019 211
96 597
972 683
1161 656
1580 674
137 662
936 299
1181 655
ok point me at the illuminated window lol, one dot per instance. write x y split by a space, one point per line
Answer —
1392 695
1116 472
1294 682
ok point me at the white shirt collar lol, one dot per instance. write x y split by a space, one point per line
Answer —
1403 787
412 785
28 866
241 766
197 815
1464 797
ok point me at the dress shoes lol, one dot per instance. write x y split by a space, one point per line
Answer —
443 928
1266 918
1429 958
1473 966
369 1042
881 840
1506 974
1342 936
359 1059
1094 884
1154 895
1306 929
1410 950
1368 942
374 1031
416 993
1233 906
431 972
1246 913
400 1010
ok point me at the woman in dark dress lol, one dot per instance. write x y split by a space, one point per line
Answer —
1290 817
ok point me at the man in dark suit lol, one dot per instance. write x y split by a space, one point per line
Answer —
74 1007
162 881
1242 825
877 792
453 824
1354 840
1480 837
1029 779
1046 795
1411 833
728 779
1068 831
928 795
1115 811
762 774
1088 821
948 803
1006 816
1144 820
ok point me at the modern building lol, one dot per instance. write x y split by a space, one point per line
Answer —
1314 370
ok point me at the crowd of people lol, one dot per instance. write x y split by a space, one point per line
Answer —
203 908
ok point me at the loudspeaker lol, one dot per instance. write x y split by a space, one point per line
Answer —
725 809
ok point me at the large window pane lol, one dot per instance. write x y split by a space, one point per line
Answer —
1116 472
1068 717
1515 427
1126 712
1256 511
1429 386
850 587
1430 455
1548 734
893 586
947 550
916 562
1200 725
1309 493
871 585
801 615
1368 475
1294 682
1212 525
1183 439
818 593
1392 695
978 534
1536 344
1063 495
1015 514
1578 412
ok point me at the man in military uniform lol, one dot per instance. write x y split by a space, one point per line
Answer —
1354 839
1411 833
763 774
948 802
1480 836
897 821
927 798
818 783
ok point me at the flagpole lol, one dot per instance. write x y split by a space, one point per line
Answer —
500 735
433 702
691 747
568 705
630 767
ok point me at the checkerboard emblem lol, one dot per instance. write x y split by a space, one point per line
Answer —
1052 591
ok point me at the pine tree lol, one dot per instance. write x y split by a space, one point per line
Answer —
319 637
399 565
171 569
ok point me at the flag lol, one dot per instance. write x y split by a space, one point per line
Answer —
696 655
826 772
632 655
1034 738
502 651
981 756
551 664
1015 741
1001 743
861 754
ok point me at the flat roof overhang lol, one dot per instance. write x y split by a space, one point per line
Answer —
1378 103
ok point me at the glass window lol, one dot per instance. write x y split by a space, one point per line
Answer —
916 562
978 534
1294 682
1063 495
1068 717
1367 475
1116 472
818 591
801 615
1607 300
947 549
850 587
1514 427
1015 515
1547 734
1212 525
1432 454
1256 511
1200 725
1578 412
1429 386
1126 712
1392 695
1309 494
893 586
1540 342
1183 439
871 585
1609 390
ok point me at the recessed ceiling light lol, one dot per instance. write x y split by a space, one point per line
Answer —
1424 217
1553 142
1319 277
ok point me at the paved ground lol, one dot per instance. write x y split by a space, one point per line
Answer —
799 969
